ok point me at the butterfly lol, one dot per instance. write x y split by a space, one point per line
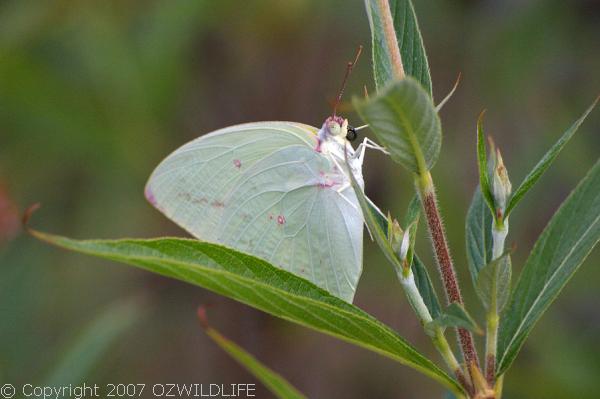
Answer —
277 190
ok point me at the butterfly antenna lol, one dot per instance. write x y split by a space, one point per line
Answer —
349 68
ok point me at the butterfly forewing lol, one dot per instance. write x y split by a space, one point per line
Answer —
263 189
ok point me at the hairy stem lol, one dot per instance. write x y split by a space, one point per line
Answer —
444 260
429 202
391 41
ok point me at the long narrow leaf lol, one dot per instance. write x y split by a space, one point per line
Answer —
478 232
411 222
546 161
422 279
425 287
561 249
484 180
257 283
278 385
414 58
84 352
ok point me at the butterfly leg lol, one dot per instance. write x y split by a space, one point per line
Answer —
368 143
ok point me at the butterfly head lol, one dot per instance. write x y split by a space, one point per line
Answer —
335 126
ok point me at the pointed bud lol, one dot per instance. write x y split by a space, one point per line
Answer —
491 157
405 244
395 235
500 184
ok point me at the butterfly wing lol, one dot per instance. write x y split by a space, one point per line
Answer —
263 189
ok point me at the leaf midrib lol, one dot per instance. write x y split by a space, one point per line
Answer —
247 280
403 119
440 374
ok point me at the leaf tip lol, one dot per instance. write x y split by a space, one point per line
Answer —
492 144
481 115
202 317
28 214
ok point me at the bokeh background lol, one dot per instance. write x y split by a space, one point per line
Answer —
93 94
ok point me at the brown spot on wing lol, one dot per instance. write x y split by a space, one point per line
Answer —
218 204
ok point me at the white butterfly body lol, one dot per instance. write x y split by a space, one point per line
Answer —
277 190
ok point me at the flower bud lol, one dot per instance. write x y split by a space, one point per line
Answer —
501 187
399 239
400 242
405 245
395 234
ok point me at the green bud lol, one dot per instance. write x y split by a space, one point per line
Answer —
501 187
405 245
395 235
400 242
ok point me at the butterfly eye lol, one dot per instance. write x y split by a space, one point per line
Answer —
351 134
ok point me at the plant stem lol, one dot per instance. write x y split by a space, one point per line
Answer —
435 225
390 38
434 221
414 297
439 340
499 386
499 233
490 345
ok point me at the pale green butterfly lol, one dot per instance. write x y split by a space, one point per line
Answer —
277 190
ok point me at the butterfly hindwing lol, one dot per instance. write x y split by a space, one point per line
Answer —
263 189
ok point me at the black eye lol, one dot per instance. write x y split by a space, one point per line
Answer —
351 134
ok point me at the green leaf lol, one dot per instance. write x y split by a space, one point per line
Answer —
257 283
561 249
422 279
378 217
425 287
94 341
281 388
411 222
413 212
546 161
493 283
478 231
482 163
454 315
406 123
414 58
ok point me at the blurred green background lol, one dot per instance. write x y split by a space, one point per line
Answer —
93 94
